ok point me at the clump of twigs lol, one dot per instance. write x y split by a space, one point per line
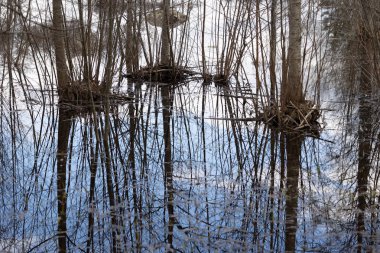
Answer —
221 80
81 92
303 117
161 73
207 78
86 96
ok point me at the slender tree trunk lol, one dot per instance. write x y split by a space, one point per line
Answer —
365 119
64 123
284 61
165 36
59 46
293 95
293 149
167 101
364 165
204 153
282 186
10 23
131 44
110 186
272 56
203 42
293 88
109 68
273 155
235 130
93 168
64 126
132 167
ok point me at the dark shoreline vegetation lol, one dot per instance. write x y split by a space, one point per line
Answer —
189 126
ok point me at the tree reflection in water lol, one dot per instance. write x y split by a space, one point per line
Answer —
96 163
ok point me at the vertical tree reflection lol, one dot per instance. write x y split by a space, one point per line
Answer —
93 142
273 160
167 103
64 124
131 163
64 127
176 167
367 74
293 153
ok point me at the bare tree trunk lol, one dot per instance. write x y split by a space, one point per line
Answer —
93 168
293 92
64 126
365 119
364 165
167 101
59 46
284 61
10 23
132 42
109 68
272 56
282 184
203 29
165 36
235 130
64 123
84 42
110 186
132 167
293 95
273 155
293 149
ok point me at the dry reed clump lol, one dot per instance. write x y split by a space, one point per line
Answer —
161 73
207 78
303 117
82 93
221 80
83 96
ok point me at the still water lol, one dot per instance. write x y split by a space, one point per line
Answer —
221 185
